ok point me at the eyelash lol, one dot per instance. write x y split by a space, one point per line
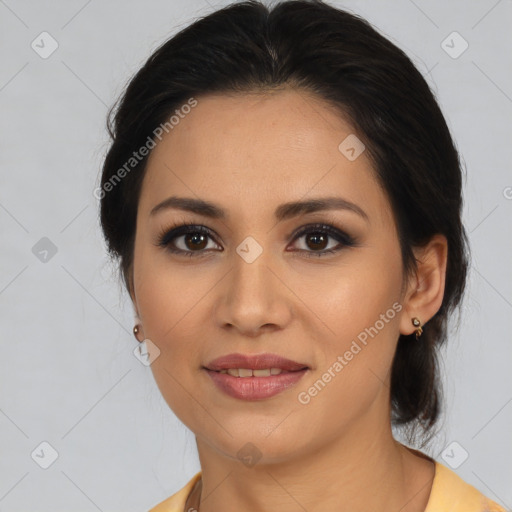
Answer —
168 234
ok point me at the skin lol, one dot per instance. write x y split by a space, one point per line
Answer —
249 154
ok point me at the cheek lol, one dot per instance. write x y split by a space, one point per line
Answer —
170 307
353 298
167 293
359 307
355 361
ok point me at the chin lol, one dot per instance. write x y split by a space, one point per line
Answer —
258 448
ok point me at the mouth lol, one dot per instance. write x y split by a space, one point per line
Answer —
254 365
255 376
258 384
251 372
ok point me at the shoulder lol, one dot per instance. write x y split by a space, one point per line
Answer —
450 493
176 502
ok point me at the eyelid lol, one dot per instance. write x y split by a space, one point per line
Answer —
178 229
340 235
323 226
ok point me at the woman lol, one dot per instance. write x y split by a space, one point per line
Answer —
284 198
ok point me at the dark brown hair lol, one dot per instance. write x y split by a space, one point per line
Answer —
311 46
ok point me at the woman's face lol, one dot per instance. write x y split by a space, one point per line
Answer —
256 285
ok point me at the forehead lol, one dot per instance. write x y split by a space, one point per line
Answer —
252 152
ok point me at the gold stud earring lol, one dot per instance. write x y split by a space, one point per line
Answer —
136 330
416 322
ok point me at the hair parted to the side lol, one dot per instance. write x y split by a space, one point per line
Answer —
311 46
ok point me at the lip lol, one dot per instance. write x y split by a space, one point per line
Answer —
255 388
254 362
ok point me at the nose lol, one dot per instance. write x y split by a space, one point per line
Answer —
254 298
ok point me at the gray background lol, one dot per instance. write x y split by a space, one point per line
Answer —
68 373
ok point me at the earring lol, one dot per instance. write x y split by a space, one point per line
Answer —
136 331
417 323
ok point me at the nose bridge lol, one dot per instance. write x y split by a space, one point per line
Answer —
251 277
252 297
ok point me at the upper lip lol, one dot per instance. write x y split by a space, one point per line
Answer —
254 362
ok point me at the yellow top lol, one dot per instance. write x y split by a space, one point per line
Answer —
449 493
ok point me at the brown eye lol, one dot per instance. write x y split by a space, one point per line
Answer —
317 239
192 240
195 241
186 239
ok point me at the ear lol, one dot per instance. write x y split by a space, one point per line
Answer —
131 291
426 287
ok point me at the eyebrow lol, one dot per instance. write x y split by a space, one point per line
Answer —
283 212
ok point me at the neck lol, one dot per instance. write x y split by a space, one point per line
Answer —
360 470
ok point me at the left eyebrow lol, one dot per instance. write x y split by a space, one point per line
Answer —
296 208
283 212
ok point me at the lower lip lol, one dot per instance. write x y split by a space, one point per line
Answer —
255 388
